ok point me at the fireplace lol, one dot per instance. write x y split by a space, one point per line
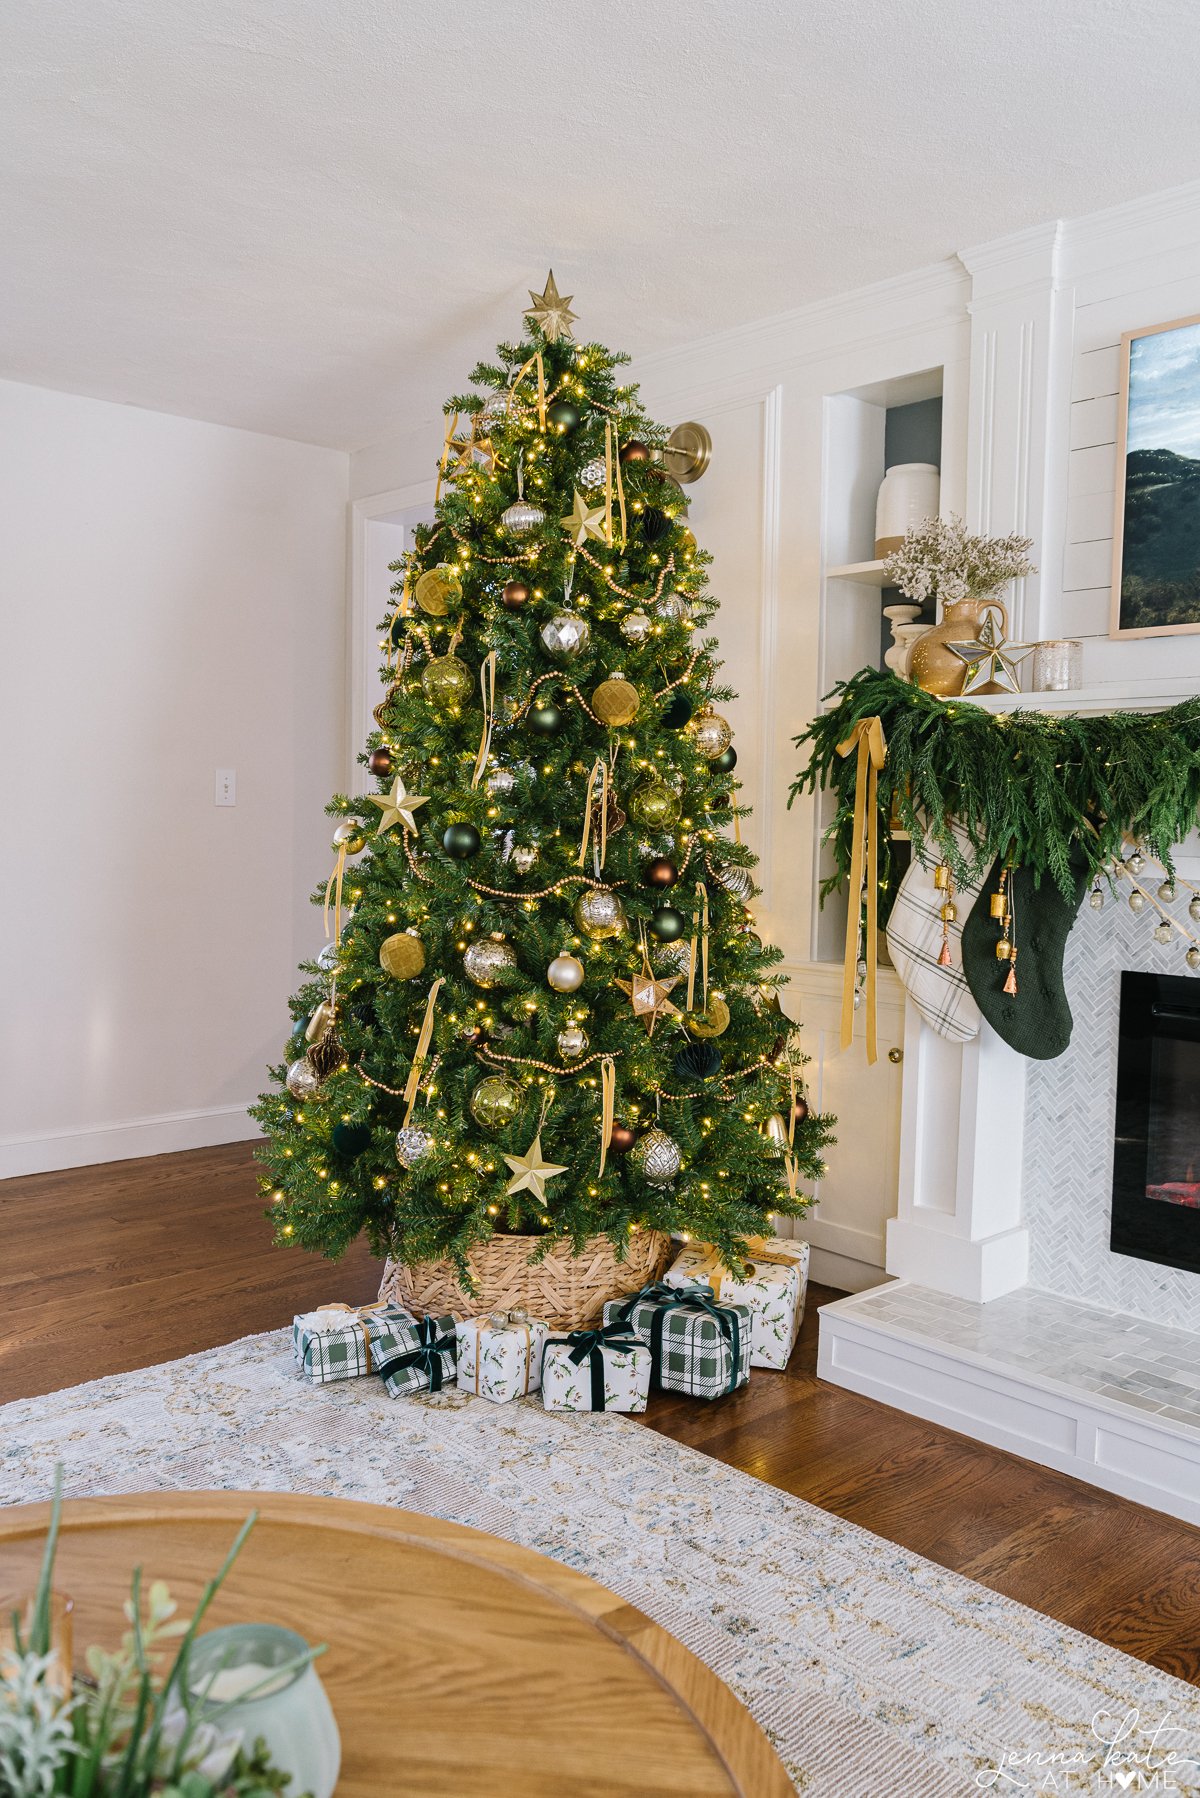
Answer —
1156 1153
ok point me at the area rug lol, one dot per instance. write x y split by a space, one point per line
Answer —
874 1672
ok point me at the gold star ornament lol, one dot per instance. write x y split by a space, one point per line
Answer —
397 807
583 521
551 311
991 661
648 997
530 1172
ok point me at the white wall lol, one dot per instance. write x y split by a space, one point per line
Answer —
173 601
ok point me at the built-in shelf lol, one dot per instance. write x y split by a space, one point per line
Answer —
1123 696
869 573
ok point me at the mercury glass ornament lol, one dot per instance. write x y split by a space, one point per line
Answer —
1194 909
522 517
711 733
446 682
599 913
327 957
675 955
1096 899
300 1080
500 781
656 1157
487 962
565 973
1192 957
411 1144
495 411
523 857
675 607
1162 932
1166 892
565 636
572 1042
495 1102
1136 900
654 804
1136 862
591 475
737 881
636 626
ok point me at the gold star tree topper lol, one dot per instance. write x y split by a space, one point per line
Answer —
551 311
648 997
530 1172
583 521
397 807
991 661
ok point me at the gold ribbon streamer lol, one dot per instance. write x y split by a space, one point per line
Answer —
699 940
867 739
333 890
535 359
613 481
608 1106
444 458
413 1084
599 773
487 687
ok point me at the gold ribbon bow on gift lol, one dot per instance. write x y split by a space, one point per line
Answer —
503 1320
868 740
361 1313
714 1271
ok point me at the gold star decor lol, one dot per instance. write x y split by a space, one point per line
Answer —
991 661
584 521
466 449
551 311
648 997
397 807
530 1172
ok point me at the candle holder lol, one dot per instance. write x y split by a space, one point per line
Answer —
257 1679
1057 665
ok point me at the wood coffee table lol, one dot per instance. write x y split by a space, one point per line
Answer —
457 1664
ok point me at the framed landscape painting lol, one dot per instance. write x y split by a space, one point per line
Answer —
1156 533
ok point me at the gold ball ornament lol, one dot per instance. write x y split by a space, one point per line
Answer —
711 733
599 914
495 1102
350 836
572 1042
712 1021
402 956
565 974
654 804
446 682
488 962
636 626
775 1131
435 590
616 701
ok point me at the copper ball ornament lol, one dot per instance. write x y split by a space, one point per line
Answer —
621 1140
565 974
515 595
661 872
402 956
635 451
380 761
800 1108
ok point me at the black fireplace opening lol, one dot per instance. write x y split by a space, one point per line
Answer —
1156 1155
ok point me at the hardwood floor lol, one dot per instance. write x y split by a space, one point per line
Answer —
103 1269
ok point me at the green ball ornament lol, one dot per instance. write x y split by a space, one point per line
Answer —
495 1102
351 1139
546 720
654 805
668 924
461 841
562 417
679 710
726 762
446 682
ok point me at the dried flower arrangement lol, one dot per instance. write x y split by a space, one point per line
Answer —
940 559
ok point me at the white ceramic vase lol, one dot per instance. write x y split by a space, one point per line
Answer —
905 631
910 493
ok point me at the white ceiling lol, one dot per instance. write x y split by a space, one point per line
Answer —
309 216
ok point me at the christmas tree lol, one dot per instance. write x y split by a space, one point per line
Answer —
543 1006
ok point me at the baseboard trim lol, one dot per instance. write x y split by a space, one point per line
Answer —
845 1273
163 1135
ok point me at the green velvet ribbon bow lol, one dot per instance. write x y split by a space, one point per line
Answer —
427 1356
666 1299
590 1345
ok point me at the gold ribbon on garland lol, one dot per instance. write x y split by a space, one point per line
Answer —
608 1106
598 775
413 1083
487 688
867 739
612 479
699 942
535 360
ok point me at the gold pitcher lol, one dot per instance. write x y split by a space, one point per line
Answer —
934 667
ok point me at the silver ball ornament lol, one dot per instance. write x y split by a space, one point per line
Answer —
494 412
656 1157
674 607
1137 862
523 857
599 913
1194 909
522 517
1166 892
1136 900
1192 957
572 1042
636 626
500 781
1096 899
327 957
592 474
411 1144
487 962
565 636
300 1080
565 974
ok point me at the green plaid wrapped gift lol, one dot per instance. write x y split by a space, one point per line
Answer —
424 1356
696 1345
336 1342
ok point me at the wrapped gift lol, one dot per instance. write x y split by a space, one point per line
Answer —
500 1356
595 1370
337 1342
774 1287
423 1360
696 1345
